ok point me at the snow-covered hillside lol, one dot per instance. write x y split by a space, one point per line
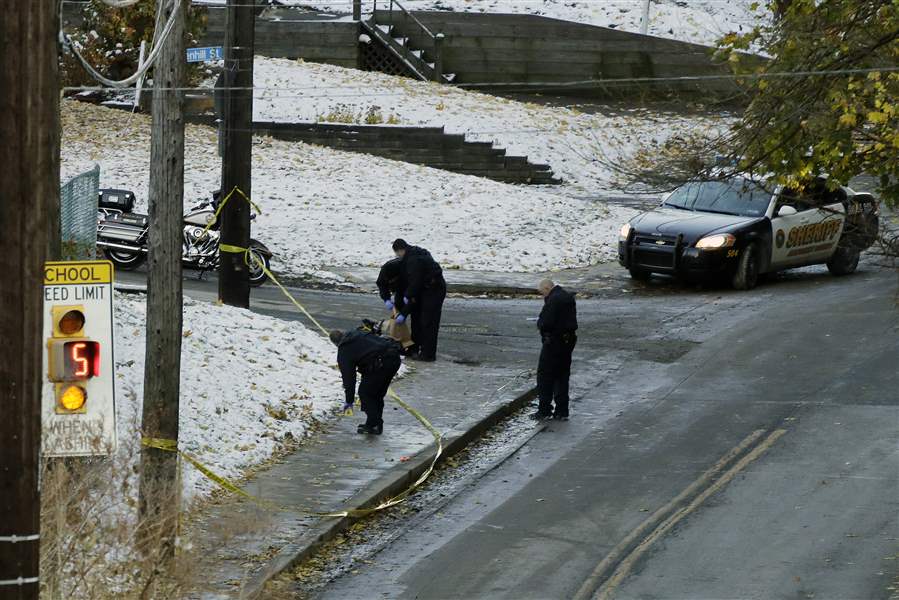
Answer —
582 148
323 207
246 389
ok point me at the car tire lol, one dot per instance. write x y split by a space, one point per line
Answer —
747 274
844 261
639 274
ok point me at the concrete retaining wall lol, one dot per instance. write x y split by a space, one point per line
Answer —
498 48
295 34
429 146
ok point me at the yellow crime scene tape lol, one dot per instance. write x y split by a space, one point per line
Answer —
172 445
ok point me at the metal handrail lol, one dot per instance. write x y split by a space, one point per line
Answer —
437 39
411 16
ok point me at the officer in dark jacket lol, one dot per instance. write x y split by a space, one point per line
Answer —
425 293
377 359
392 284
557 325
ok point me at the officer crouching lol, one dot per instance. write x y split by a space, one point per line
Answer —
377 359
557 324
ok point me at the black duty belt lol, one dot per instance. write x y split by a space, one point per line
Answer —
567 337
378 361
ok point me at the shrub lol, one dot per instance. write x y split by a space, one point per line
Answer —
109 38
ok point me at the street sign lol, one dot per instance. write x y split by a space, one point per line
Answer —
205 54
78 401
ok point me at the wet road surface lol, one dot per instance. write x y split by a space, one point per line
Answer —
800 376
668 380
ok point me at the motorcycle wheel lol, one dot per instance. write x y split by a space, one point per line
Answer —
257 274
126 261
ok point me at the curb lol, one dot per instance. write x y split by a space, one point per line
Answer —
389 484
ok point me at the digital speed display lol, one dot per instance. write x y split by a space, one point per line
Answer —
81 360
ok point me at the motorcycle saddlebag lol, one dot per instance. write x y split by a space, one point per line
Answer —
113 199
127 227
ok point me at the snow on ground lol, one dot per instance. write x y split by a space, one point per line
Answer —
698 21
326 208
246 389
582 148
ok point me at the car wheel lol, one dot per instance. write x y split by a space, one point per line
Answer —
747 274
844 261
639 274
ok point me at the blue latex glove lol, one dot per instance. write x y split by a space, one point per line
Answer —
400 319
405 300
389 304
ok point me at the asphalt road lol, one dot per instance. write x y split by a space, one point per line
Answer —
802 372
792 388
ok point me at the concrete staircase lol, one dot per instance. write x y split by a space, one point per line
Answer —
429 146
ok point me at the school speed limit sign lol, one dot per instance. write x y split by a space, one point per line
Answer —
78 401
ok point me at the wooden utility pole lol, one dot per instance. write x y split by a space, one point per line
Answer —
240 23
29 153
158 486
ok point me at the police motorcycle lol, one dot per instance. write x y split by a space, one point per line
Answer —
123 236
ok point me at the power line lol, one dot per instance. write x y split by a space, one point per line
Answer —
368 92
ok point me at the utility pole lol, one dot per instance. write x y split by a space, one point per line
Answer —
29 153
158 476
237 166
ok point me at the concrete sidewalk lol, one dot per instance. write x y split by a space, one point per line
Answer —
242 544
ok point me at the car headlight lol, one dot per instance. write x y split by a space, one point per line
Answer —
624 231
713 242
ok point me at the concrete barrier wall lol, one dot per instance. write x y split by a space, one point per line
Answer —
332 42
494 49
429 146
499 48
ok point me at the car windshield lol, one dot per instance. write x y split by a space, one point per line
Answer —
732 197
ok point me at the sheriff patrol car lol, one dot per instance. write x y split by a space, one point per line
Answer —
742 229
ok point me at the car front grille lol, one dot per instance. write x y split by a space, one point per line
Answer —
660 241
647 258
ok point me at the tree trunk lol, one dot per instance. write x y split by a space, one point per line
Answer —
781 7
158 486
29 153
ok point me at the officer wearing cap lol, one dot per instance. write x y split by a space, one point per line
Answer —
378 360
392 284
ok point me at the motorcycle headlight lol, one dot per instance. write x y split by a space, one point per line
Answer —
714 242
624 231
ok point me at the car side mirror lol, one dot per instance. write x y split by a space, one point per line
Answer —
786 210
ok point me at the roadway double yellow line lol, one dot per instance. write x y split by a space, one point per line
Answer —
617 565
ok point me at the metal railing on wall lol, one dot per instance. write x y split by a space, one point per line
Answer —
437 38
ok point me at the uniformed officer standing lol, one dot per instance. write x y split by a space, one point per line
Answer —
425 293
557 325
377 359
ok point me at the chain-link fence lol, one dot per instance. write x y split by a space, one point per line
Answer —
78 215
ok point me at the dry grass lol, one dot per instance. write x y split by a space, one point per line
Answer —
94 545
